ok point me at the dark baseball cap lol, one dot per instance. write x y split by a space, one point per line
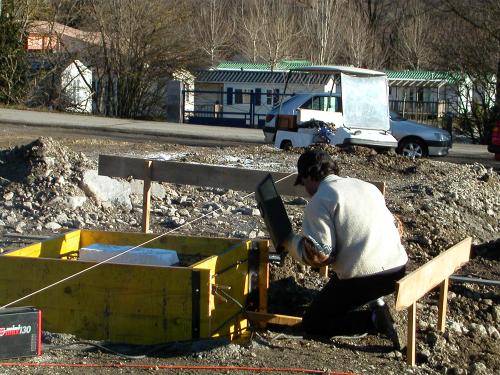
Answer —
315 163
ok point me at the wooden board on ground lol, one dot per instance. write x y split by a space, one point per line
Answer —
200 174
414 285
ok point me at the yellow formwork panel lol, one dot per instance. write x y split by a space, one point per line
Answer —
229 290
52 248
131 303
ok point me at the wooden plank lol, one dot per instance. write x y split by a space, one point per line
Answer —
443 305
411 335
195 174
323 272
263 278
200 174
414 286
146 196
284 320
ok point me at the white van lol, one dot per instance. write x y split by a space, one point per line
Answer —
359 113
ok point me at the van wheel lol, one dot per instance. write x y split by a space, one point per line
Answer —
286 145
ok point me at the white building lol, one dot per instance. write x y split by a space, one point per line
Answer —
76 87
246 92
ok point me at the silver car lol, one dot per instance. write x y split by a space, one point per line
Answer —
417 140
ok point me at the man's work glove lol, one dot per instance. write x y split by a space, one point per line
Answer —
312 256
306 250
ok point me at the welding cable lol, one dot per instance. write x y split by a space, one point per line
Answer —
146 353
50 348
124 252
176 367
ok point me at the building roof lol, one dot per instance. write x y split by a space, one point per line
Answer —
420 78
244 72
335 69
49 28
244 76
284 65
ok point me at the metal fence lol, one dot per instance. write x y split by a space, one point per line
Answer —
232 107
249 109
430 111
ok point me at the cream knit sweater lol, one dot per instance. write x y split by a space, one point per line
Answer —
348 217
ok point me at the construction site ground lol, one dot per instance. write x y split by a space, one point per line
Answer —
438 202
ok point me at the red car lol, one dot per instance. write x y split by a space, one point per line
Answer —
495 141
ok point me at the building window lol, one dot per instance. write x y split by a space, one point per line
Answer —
276 96
247 96
420 94
269 97
238 96
229 96
257 99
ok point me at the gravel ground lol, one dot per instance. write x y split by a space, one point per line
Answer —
43 192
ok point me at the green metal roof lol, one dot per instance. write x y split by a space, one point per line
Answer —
283 65
392 75
419 75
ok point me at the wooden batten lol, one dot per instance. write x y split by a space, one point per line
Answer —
146 197
416 284
284 320
201 175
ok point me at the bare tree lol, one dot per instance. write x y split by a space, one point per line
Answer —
416 37
380 17
213 26
280 30
141 45
322 30
469 44
250 21
358 38
483 16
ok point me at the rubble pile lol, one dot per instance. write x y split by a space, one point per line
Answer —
45 188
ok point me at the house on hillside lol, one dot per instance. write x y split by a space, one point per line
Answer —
247 92
61 81
46 36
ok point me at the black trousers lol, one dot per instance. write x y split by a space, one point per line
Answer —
335 311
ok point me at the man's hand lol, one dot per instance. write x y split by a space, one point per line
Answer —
312 257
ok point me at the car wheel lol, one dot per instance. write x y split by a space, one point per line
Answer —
412 148
286 145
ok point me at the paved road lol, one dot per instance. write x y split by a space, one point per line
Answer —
460 153
151 128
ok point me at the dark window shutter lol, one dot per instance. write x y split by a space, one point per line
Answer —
229 98
258 93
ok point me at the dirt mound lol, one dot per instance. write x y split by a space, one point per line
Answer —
439 204
38 159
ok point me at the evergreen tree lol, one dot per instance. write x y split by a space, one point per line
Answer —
13 65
